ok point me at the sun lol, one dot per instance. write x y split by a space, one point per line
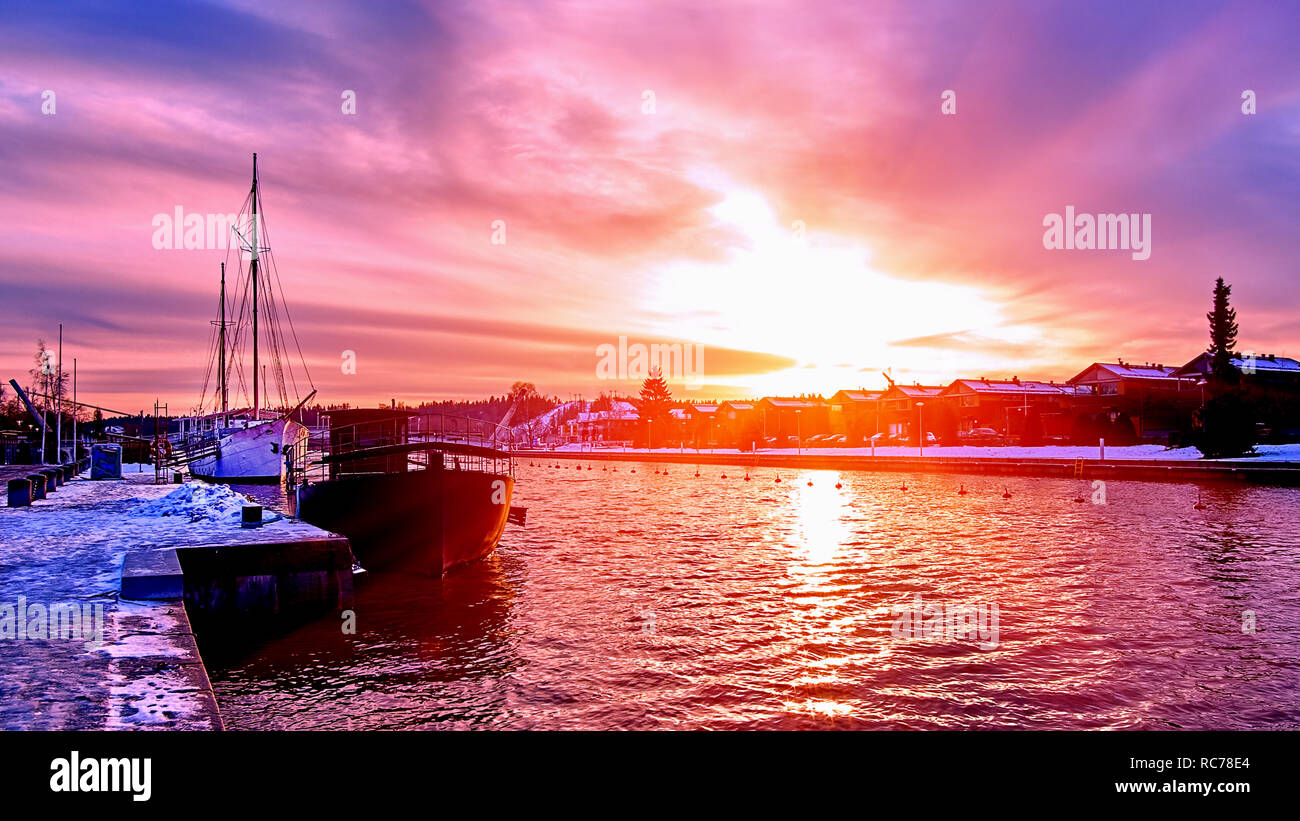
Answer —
814 297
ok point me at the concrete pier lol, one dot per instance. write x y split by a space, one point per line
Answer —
108 662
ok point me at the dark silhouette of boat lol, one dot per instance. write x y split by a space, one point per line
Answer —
413 493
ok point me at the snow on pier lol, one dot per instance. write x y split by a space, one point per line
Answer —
121 664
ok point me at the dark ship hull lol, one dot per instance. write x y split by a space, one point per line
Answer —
424 521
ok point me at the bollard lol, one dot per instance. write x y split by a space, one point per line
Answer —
177 478
51 480
38 486
252 516
69 472
20 492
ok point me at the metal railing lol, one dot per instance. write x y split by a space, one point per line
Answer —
401 443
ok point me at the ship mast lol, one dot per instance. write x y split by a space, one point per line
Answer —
253 269
221 355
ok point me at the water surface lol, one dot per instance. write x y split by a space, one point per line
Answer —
641 600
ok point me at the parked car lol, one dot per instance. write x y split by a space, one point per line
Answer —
987 437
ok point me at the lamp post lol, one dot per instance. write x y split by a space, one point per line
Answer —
920 426
798 431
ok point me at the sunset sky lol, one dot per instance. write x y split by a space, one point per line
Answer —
922 247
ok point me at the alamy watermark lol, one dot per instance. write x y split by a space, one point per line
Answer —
70 621
675 362
1100 232
126 775
181 231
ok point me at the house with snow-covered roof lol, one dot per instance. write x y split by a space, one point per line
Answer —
1012 407
855 414
736 424
1272 385
1264 368
1147 402
1121 378
900 408
788 418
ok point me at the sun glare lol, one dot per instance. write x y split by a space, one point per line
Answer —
815 297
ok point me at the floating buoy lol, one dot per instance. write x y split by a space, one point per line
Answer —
810 483
724 476
697 475
1006 494
903 487
634 470
778 480
746 476
838 485
1199 504
962 491
1078 498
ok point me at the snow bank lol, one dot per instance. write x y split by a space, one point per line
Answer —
198 501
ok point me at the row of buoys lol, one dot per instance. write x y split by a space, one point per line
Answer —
961 490
664 472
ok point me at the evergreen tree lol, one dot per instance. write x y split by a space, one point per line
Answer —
656 401
1223 335
1226 419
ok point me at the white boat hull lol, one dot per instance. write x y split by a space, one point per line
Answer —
255 454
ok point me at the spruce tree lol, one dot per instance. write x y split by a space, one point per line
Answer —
656 401
1227 424
1223 335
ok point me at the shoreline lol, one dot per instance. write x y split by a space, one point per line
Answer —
1283 473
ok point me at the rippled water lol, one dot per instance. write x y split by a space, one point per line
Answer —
638 600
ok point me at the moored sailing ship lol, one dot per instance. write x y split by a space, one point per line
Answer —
250 445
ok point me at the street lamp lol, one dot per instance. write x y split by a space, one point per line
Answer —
920 426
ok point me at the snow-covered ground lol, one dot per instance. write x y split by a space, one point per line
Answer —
542 424
1266 453
199 501
68 548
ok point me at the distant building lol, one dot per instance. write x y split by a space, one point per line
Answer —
1123 402
617 423
786 418
1013 407
701 428
899 414
1264 368
856 414
1271 384
738 425
1122 378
